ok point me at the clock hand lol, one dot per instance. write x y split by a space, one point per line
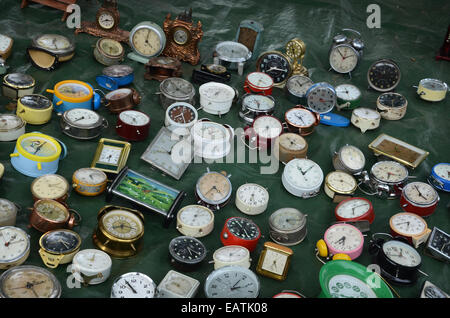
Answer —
82 117
340 54
190 251
29 285
39 148
275 69
131 287
420 193
300 117
64 243
308 170
340 241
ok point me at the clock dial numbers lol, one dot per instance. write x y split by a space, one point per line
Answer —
276 65
443 171
110 155
401 253
195 216
82 117
304 173
122 224
274 262
90 176
389 171
146 41
346 286
300 117
343 58
321 98
253 194
420 193
60 241
243 228
14 244
299 85
383 75
106 20
49 186
133 285
341 181
408 224
181 114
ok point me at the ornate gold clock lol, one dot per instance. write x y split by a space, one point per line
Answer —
296 50
182 38
106 23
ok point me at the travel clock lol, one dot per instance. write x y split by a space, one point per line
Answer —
177 285
91 266
274 261
287 226
111 155
232 282
289 146
147 39
302 177
186 253
258 83
251 198
213 189
301 120
419 198
161 67
58 247
133 125
240 231
15 246
83 124
50 186
34 109
348 96
410 226
392 106
350 159
47 215
89 181
11 127
210 73
438 245
432 90
383 75
195 220
440 177
354 209
430 290
48 50
229 255
133 285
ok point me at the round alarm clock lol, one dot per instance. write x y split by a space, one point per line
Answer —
264 130
432 90
251 198
230 255
410 226
34 109
115 76
89 181
8 212
339 184
321 98
342 238
15 249
108 51
289 146
58 247
348 96
277 65
133 125
180 117
16 85
91 266
392 106
83 124
240 231
232 55
74 94
47 215
383 75
11 127
354 209
186 253
419 198
213 189
211 140
349 159
50 186
195 220
302 177
365 118
216 98
147 39
176 89
122 99
440 177
255 105
301 120
258 83
287 226
296 88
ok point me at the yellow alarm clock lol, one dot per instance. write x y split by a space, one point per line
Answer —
34 109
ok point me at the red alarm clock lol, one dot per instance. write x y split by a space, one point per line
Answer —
419 198
240 231
133 125
258 83
354 209
264 130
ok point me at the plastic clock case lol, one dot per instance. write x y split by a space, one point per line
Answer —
115 76
70 94
34 109
16 85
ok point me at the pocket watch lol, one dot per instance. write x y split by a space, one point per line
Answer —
365 118
8 212
419 198
213 189
438 245
16 85
346 52
287 226
258 83
399 262
108 51
232 55
348 96
387 178
119 231
296 88
195 221
186 253
254 105
133 125
231 255
409 226
301 120
180 117
6 44
354 209
147 39
277 65
28 281
232 282
383 75
339 185
115 76
177 285
274 261
240 231
302 177
210 73
111 155
216 98
169 153
91 266
133 285
36 154
34 109
122 99
15 246
83 124
289 146
251 198
348 279
264 130
176 89
211 140
432 90
58 247
161 67
321 98
89 181
11 127
50 186
392 106
47 215
440 176
342 238
349 159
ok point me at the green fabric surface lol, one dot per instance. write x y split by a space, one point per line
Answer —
411 34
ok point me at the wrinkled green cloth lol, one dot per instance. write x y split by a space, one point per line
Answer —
411 34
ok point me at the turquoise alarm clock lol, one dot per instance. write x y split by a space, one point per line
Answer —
37 154
74 94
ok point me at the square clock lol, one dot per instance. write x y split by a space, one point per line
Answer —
111 155
177 285
274 261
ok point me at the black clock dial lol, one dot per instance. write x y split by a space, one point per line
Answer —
392 100
383 75
60 241
187 249
275 65
181 114
441 242
243 228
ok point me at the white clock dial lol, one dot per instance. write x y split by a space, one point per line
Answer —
353 208
217 93
443 171
389 171
267 127
258 102
122 224
82 117
90 176
293 142
9 122
110 155
408 223
366 113
253 195
232 51
420 193
91 266
106 20
211 132
134 118
341 181
14 244
260 79
299 85
231 254
401 253
232 282
304 173
51 186
146 41
321 98
195 216
180 36
5 42
274 262
133 285
352 157
346 286
300 117
343 59
347 92
344 238
54 42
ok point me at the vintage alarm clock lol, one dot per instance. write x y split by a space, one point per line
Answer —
350 159
354 209
211 73
133 285
438 245
58 247
115 76
321 98
16 247
50 186
287 226
365 118
251 198
258 83
277 65
302 177
211 140
91 266
186 253
74 94
274 261
339 185
122 99
392 106
6 44
240 231
83 124
8 212
213 190
440 177
34 109
419 198
342 238
289 146
89 181
218 282
180 117
346 52
16 85
133 125
216 98
161 67
263 132
296 88
255 105
176 89
348 96
11 127
409 226
432 90
195 220
233 55
108 51
47 215
48 50
36 154
383 75
147 39
229 255
301 120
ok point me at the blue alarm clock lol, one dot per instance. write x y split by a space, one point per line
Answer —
74 94
115 76
440 176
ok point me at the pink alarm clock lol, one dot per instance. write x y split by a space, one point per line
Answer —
345 239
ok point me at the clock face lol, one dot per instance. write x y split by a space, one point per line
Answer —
392 100
110 155
304 174
232 282
267 127
5 42
287 219
214 188
408 224
106 20
292 142
440 242
321 99
82 117
274 262
146 41
36 101
53 42
343 58
211 131
443 171
353 208
258 102
341 181
366 113
14 244
39 146
232 51
231 254
276 65
298 85
90 176
10 122
352 157
111 47
433 84
260 79
195 216
60 241
182 114
243 228
52 211
180 36
420 193
217 92
122 224
383 75
74 90
295 49
343 238
187 249
177 88
389 171
134 118
252 195
133 285
347 286
178 284
348 92
50 186
401 253
300 117
92 259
